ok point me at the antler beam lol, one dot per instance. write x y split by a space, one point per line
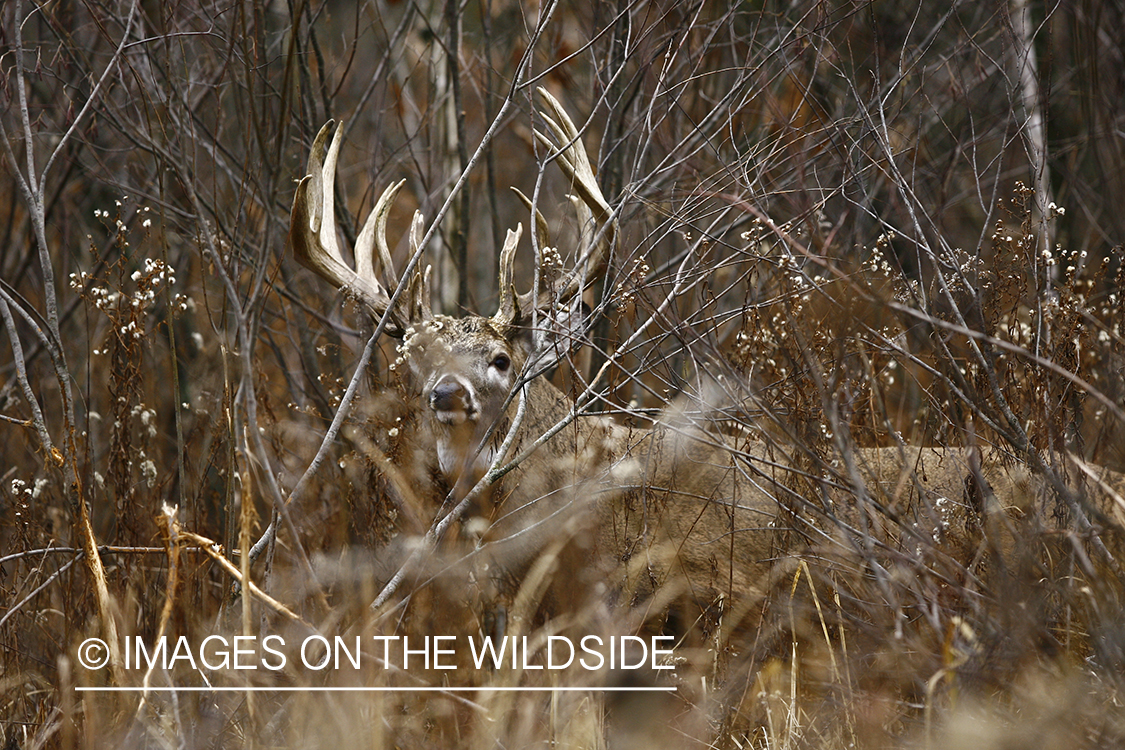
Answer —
594 218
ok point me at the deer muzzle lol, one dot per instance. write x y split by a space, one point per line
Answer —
452 401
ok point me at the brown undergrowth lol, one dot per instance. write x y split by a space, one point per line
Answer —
819 293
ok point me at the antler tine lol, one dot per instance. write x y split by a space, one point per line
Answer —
542 233
591 206
373 238
510 303
574 161
418 294
528 300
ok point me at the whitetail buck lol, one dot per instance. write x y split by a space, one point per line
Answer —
635 508
611 491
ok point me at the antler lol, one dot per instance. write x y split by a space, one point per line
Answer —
599 232
312 232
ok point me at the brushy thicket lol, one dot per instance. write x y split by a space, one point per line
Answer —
850 226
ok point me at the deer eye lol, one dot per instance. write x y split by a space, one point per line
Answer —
501 362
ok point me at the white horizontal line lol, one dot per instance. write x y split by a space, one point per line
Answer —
426 689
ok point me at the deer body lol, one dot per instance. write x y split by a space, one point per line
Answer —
639 508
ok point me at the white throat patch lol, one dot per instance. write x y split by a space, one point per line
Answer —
451 455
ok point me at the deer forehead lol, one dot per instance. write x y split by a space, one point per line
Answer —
444 339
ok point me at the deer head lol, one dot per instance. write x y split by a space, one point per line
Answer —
465 367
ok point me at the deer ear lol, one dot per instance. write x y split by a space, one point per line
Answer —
555 335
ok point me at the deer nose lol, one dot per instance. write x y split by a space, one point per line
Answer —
448 395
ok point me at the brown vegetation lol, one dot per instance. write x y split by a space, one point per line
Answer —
849 388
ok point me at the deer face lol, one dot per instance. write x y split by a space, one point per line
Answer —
463 370
464 367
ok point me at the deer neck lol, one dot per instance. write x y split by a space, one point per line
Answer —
466 451
462 453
